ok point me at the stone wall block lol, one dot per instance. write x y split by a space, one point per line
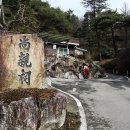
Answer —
53 112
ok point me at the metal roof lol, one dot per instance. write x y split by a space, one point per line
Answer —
80 49
54 37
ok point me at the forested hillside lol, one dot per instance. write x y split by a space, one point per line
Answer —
27 16
105 31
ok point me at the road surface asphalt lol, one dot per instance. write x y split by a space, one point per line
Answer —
106 101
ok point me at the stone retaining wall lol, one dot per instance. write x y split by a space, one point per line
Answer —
33 114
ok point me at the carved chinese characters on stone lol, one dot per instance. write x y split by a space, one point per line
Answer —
25 77
17 52
23 61
24 44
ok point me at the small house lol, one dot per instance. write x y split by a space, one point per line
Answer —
61 46
61 49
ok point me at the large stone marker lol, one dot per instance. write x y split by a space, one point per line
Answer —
25 105
21 61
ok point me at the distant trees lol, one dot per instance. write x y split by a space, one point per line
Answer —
126 27
110 20
95 6
105 29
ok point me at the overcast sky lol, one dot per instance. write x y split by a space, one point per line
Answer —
78 8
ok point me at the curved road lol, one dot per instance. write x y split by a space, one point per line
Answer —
106 101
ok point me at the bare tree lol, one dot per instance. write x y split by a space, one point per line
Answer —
125 9
19 17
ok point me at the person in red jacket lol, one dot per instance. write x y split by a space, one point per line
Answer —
86 71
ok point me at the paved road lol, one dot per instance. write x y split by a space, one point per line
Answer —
106 101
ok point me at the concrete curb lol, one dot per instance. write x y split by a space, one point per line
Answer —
83 125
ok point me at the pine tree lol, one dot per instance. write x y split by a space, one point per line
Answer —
96 6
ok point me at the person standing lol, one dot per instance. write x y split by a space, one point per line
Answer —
86 71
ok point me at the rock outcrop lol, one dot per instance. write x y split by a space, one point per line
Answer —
41 112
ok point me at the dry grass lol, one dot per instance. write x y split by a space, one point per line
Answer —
72 122
106 61
17 94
